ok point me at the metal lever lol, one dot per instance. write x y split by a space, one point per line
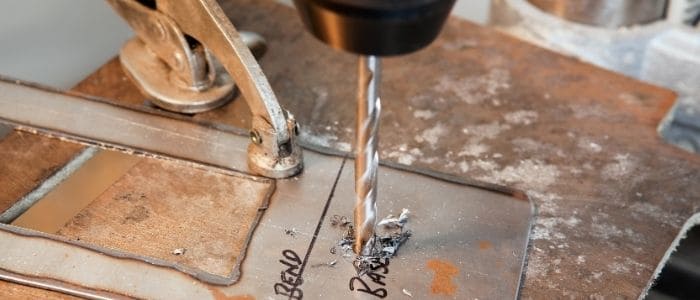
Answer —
274 151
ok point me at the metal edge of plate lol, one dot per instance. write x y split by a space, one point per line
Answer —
198 274
59 286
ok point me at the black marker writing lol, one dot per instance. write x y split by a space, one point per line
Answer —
290 277
376 272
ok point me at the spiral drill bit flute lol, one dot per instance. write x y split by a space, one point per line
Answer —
366 155
372 28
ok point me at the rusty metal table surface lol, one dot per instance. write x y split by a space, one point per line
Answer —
581 141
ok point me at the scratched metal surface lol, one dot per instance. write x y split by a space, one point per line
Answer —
54 111
467 242
579 140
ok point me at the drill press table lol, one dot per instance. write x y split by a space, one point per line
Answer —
581 141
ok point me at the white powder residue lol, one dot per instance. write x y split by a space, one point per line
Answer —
618 268
521 117
580 259
588 145
476 89
647 211
603 230
549 228
432 135
485 165
318 139
343 146
586 111
638 267
526 145
547 202
324 140
537 266
464 166
403 155
416 152
429 160
474 150
424 114
622 166
533 174
485 131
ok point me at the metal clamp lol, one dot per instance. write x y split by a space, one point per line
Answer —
180 47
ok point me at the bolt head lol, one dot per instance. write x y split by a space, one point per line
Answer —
255 137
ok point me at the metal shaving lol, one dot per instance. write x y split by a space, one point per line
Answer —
388 238
328 264
391 221
340 221
179 251
291 232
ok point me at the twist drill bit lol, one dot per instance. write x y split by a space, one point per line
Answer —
367 157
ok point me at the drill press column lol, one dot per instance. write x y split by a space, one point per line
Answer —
372 28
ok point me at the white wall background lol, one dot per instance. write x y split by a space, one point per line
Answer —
57 43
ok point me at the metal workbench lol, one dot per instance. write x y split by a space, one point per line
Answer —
581 141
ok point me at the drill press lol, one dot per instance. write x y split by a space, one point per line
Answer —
371 28
236 236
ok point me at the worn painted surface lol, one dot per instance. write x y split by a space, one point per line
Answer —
581 141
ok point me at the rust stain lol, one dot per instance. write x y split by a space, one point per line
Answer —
442 281
485 245
219 295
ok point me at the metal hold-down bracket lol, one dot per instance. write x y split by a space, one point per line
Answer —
181 58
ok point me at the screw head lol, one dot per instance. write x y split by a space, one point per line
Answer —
255 137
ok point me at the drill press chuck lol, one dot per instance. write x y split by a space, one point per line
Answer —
375 27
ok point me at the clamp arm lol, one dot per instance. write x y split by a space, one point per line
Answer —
274 151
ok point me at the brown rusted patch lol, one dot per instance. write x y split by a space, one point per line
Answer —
442 280
219 295
485 245
137 214
27 160
9 290
159 206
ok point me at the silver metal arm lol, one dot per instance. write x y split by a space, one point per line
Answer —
274 151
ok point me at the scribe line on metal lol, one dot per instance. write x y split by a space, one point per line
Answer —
320 220
47 186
